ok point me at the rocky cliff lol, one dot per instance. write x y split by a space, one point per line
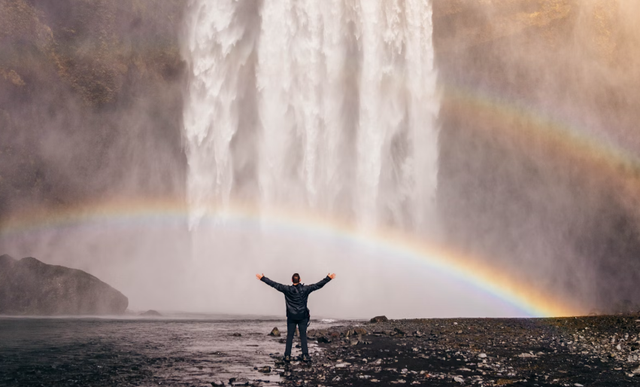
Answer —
539 144
31 287
90 100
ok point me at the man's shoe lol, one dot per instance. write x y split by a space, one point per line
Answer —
306 359
287 359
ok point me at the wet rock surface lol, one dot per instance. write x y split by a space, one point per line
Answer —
587 351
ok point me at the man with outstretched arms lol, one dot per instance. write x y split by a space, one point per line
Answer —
296 297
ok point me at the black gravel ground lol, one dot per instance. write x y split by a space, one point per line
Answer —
583 351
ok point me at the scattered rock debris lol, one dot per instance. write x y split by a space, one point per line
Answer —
583 351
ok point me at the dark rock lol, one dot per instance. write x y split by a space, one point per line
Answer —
360 331
31 287
151 313
236 334
265 369
379 319
313 333
275 332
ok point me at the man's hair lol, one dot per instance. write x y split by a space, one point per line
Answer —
295 278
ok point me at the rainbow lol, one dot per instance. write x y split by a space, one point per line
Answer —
391 243
546 139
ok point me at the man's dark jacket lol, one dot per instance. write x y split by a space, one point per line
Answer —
296 296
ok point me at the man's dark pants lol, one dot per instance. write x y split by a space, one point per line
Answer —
291 330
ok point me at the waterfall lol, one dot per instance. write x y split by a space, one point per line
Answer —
329 106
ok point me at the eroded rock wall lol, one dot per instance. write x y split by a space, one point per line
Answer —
90 101
538 165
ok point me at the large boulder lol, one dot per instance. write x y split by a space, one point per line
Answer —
31 287
379 319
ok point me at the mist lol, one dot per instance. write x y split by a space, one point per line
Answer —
347 112
545 180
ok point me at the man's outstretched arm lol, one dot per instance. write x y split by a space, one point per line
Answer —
324 281
273 284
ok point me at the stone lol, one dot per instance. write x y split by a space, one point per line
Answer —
398 331
379 319
31 287
275 332
151 313
265 369
360 331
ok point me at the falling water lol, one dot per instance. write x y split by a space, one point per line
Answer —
321 105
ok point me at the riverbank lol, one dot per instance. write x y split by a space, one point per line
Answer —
587 351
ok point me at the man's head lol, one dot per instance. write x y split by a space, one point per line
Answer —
295 278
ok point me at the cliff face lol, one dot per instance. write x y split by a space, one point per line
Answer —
90 100
30 287
539 141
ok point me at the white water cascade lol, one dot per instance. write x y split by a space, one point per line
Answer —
328 106
321 108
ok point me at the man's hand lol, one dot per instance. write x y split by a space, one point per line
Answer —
332 275
259 276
